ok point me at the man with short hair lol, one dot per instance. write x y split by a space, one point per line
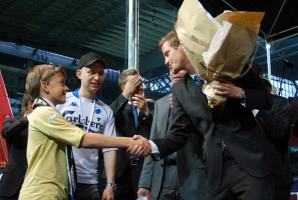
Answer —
83 109
15 131
276 123
132 116
233 142
180 175
159 180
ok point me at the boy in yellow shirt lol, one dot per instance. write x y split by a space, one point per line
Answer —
49 133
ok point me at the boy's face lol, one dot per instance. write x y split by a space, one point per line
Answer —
91 77
56 89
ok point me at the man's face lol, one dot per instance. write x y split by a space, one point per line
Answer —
175 57
91 77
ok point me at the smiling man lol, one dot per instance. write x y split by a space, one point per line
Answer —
83 109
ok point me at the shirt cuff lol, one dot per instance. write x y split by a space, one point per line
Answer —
255 112
105 150
154 151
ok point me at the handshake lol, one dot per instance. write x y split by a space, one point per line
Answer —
139 146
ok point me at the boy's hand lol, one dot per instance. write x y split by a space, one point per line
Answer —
139 146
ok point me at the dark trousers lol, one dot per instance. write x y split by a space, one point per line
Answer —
127 183
237 184
282 193
87 192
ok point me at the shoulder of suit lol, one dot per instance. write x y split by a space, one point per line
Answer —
164 98
279 99
181 82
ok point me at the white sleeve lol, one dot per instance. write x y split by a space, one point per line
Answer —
109 129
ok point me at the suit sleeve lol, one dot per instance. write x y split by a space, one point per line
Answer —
277 121
118 105
12 127
145 125
179 129
147 171
255 92
51 123
146 175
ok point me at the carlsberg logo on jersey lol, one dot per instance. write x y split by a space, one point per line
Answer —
82 122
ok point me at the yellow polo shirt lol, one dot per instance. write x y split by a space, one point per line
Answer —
46 176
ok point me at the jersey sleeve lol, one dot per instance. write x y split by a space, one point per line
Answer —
109 128
50 122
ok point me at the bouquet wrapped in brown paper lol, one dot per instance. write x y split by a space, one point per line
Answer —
217 47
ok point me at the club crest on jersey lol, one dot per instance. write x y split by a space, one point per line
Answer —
74 104
97 111
52 116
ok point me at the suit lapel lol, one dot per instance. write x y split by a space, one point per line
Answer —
164 109
195 96
130 119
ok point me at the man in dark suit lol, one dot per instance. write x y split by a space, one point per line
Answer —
238 156
132 116
276 123
159 180
15 131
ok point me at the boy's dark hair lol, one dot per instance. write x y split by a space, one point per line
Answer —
38 74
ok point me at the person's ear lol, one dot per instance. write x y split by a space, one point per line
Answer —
79 73
44 86
122 87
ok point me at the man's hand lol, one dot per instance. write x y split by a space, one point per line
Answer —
143 192
140 102
131 86
139 146
226 88
108 193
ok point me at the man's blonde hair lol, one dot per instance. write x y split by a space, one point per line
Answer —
170 37
125 74
38 74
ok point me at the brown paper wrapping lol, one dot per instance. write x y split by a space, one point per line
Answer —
217 47
195 30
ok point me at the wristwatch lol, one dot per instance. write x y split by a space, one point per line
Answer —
113 185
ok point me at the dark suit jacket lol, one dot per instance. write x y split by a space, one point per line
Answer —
191 173
276 123
15 131
124 123
232 123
